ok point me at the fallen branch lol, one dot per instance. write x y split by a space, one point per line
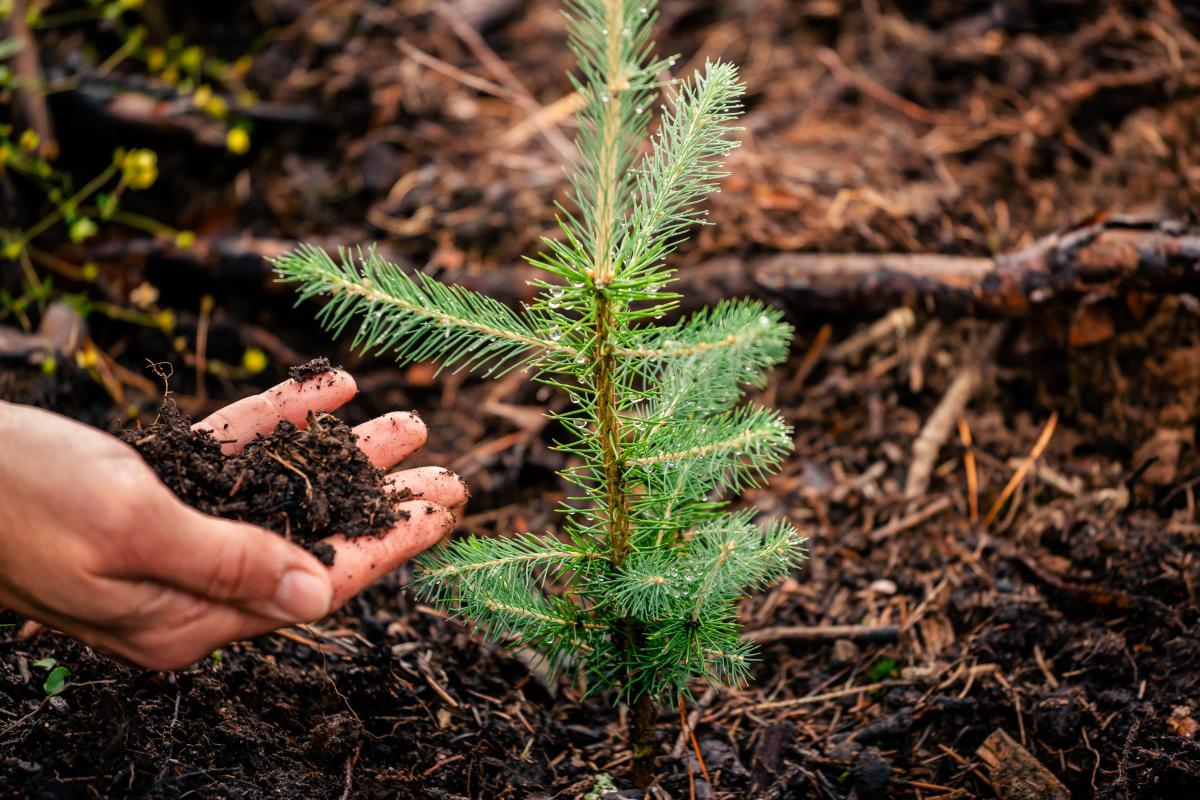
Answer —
1118 253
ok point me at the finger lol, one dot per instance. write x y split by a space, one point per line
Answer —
389 439
231 563
236 424
436 484
363 560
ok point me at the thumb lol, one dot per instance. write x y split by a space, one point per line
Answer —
237 564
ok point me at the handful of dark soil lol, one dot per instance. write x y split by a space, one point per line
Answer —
303 484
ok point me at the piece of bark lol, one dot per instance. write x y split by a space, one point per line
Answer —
1105 257
1015 774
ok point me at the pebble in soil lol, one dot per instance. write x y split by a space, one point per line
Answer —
303 483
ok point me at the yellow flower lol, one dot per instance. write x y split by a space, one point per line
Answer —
202 96
86 357
254 360
216 107
238 141
165 319
191 58
29 140
156 58
140 168
185 239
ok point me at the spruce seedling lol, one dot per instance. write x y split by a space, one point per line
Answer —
639 594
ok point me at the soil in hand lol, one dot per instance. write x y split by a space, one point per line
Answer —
304 484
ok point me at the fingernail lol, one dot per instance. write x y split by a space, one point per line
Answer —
301 597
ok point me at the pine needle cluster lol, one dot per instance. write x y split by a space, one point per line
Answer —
639 591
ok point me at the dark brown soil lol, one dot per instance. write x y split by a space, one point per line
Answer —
310 369
303 483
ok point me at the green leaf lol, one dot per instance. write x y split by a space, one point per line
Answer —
56 681
45 663
882 669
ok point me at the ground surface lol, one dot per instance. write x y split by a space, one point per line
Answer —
1070 620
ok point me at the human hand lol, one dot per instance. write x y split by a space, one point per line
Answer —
92 543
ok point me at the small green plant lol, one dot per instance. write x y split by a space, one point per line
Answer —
641 595
56 676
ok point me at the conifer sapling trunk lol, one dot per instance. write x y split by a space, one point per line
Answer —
650 562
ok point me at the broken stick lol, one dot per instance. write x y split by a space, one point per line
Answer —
940 424
1118 253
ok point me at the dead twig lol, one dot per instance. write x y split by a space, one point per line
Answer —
494 64
907 521
706 700
850 691
1040 445
964 436
936 431
824 633
896 322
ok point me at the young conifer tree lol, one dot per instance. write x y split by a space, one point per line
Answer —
651 563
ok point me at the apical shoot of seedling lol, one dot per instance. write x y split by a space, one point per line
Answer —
651 561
